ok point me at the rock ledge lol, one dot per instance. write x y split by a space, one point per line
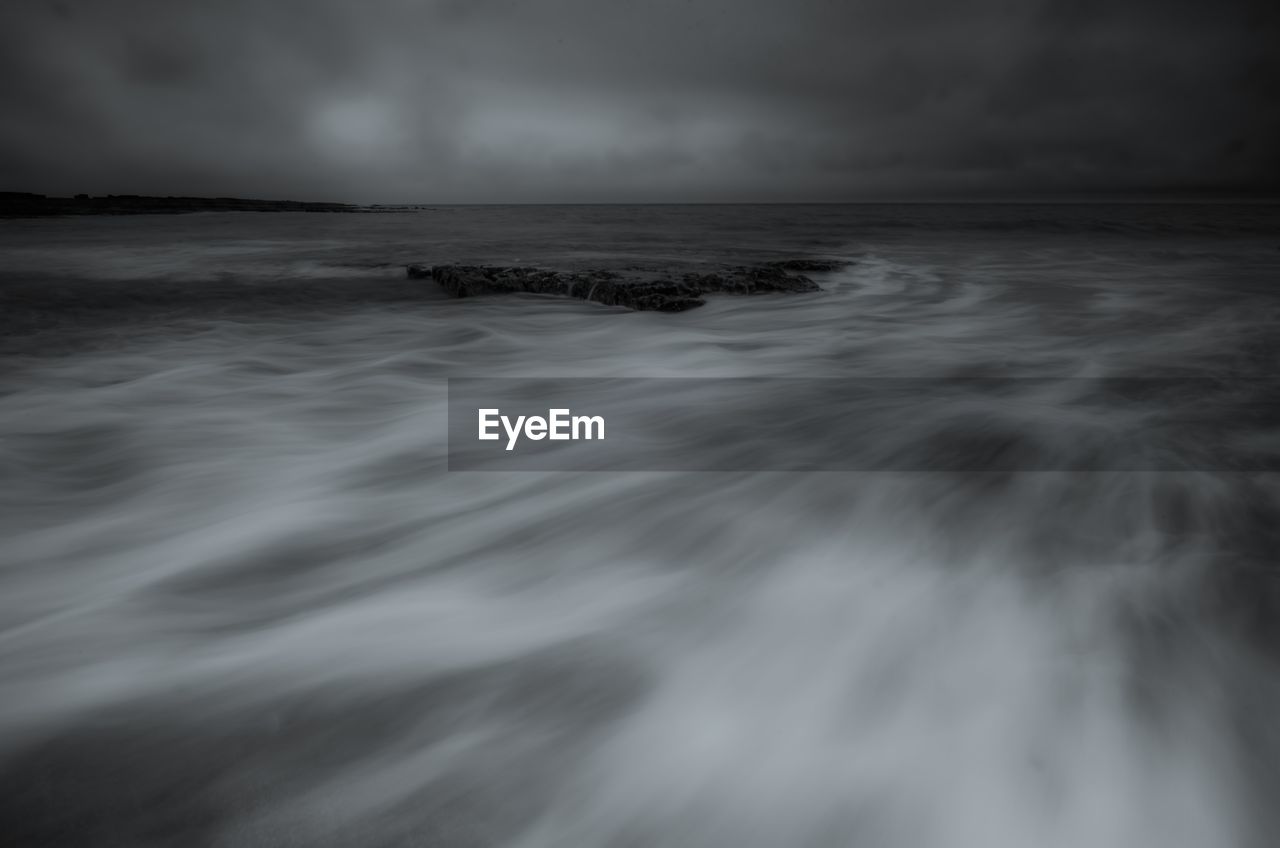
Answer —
671 293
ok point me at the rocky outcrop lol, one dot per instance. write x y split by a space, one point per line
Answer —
668 293
606 287
811 265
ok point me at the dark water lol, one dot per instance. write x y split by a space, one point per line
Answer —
244 603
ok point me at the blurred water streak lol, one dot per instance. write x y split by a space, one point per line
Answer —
244 603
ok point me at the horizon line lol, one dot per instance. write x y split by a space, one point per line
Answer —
1135 199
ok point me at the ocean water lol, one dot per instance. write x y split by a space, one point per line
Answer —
245 604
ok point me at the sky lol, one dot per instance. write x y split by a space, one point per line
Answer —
490 101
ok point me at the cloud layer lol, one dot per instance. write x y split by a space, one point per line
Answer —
620 100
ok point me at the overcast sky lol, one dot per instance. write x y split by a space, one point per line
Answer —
639 100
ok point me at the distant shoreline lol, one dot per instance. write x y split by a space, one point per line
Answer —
16 204
29 205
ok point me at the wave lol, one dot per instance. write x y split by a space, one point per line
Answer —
245 602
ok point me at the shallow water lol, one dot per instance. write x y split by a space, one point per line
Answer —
245 604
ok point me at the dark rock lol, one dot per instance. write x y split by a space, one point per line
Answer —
810 265
764 279
615 289
605 287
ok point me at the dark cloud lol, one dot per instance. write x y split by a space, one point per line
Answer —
549 100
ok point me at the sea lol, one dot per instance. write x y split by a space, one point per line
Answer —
245 599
